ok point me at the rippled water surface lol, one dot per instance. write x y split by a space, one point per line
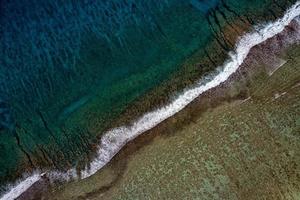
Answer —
68 69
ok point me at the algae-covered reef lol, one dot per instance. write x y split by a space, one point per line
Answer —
237 141
69 69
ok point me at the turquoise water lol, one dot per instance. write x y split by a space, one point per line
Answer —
68 69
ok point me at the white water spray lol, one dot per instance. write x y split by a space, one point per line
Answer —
113 140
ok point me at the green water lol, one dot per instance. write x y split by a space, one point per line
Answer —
67 76
234 145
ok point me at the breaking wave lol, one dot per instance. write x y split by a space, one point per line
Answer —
113 140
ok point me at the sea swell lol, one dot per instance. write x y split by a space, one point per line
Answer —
113 140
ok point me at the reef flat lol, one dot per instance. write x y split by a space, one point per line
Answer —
237 141
60 95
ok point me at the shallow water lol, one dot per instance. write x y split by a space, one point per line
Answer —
239 141
69 69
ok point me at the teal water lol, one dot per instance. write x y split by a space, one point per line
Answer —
68 69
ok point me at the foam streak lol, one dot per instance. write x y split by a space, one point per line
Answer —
21 187
113 140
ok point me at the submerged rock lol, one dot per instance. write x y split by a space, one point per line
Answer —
69 69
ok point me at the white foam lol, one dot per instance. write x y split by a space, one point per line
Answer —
22 186
113 140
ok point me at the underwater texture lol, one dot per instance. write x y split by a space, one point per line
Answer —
69 69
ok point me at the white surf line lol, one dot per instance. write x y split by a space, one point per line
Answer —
22 186
113 140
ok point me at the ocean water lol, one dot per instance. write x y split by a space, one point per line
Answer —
68 69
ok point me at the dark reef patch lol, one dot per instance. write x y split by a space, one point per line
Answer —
69 69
